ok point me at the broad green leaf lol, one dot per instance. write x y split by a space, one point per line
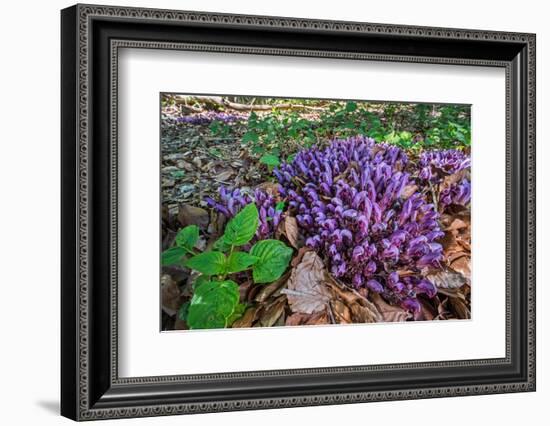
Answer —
250 136
201 279
239 261
237 313
274 257
172 256
188 237
242 227
351 106
208 263
213 304
270 160
183 311
221 245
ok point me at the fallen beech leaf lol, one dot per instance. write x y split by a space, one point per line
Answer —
248 318
460 308
318 318
273 312
271 188
298 258
290 231
462 265
171 295
447 279
224 176
450 244
427 311
457 224
180 325
465 244
342 314
363 314
449 180
306 290
191 215
266 291
362 309
244 290
388 312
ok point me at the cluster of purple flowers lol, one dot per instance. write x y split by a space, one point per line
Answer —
435 165
348 202
233 200
458 193
204 118
446 162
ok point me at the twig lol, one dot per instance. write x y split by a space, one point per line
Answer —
434 198
331 314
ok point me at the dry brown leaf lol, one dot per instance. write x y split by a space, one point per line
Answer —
225 175
171 295
267 290
457 224
318 318
362 309
460 308
290 231
298 258
306 290
388 312
191 215
446 279
427 311
342 314
180 325
248 318
271 188
363 314
462 265
449 180
272 312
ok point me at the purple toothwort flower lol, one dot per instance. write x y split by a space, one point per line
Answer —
437 164
352 211
231 201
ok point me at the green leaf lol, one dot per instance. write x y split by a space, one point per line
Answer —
213 304
270 160
188 237
279 207
242 227
183 311
274 257
172 256
250 136
177 174
239 261
237 313
351 106
201 279
221 245
208 263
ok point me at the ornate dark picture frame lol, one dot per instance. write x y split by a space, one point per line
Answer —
91 37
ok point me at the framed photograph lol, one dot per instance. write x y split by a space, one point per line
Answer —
263 212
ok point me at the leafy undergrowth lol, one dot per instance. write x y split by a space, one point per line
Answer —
308 213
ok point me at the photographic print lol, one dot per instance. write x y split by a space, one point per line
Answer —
281 212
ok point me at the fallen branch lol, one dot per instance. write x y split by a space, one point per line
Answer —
220 102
